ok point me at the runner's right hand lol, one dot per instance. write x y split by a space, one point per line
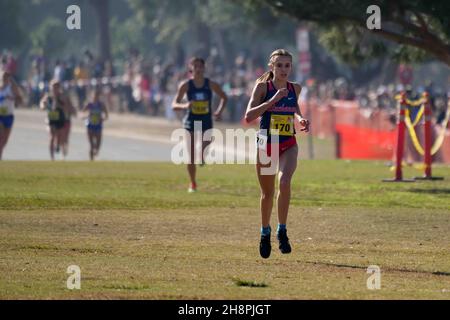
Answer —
280 95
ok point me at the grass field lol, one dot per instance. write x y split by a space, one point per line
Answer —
136 233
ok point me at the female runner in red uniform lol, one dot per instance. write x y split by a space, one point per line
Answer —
275 100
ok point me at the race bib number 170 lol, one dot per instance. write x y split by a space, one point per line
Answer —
284 124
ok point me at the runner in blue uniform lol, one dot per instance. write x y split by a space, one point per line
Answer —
199 91
275 100
9 98
97 113
53 103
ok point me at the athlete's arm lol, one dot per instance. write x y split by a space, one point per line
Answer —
255 108
223 98
15 91
72 109
85 112
177 103
43 102
105 110
303 122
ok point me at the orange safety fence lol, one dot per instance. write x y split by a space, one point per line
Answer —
347 119
364 143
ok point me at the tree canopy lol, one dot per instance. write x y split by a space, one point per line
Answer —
412 30
420 28
12 31
227 25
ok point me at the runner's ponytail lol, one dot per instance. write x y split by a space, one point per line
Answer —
265 77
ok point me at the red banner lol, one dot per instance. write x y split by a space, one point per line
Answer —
364 143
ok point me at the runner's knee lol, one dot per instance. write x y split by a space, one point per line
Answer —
267 194
285 183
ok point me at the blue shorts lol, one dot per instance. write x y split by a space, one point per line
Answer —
206 124
96 128
7 121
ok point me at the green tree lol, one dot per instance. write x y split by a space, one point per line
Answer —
101 8
420 28
203 24
100 14
12 33
48 37
173 20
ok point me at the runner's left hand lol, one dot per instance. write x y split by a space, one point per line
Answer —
217 116
305 125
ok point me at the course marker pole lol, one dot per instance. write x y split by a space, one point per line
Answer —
400 142
428 160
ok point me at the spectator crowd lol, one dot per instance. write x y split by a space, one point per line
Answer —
147 85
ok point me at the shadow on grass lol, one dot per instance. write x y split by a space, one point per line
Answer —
127 287
337 265
429 191
251 284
